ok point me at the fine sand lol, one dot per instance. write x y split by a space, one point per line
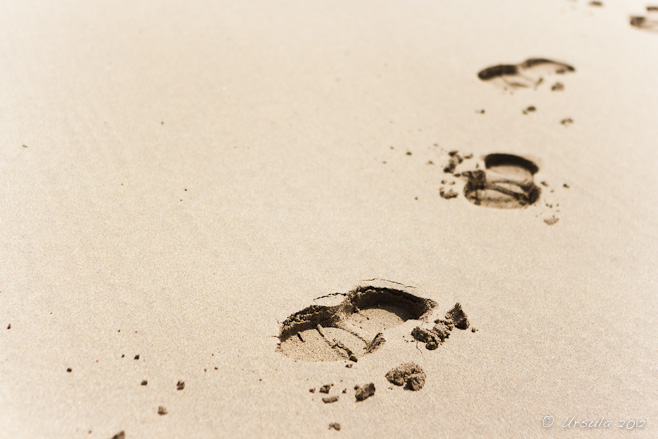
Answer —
255 219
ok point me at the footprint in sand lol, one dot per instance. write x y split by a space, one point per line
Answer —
648 22
503 181
528 74
507 182
352 325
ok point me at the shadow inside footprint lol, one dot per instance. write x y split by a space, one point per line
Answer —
351 328
647 23
528 74
507 182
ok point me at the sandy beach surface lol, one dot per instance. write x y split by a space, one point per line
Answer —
177 179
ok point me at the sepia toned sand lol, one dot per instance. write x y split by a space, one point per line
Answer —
178 178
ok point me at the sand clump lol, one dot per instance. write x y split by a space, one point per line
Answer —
648 22
409 375
453 162
449 194
330 399
326 388
558 86
457 316
442 330
365 392
552 220
426 336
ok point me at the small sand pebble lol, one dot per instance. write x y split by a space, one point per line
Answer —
162 411
334 426
119 435
69 370
448 195
455 160
552 220
136 357
180 385
558 86
330 399
326 388
144 382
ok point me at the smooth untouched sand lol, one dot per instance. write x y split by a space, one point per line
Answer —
177 178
